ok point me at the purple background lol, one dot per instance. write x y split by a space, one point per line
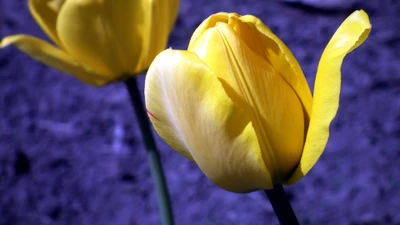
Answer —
71 154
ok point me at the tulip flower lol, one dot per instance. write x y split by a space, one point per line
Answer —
98 42
238 105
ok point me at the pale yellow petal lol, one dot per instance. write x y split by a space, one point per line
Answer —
45 13
87 36
254 85
53 57
190 110
353 32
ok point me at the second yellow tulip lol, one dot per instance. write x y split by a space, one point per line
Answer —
98 41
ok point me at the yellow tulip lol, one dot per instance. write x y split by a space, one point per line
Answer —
98 41
237 102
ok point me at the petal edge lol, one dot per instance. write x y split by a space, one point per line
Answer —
351 34
46 16
52 56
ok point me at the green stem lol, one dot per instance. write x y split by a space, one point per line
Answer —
281 205
157 172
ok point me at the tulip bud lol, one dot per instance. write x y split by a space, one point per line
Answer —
99 41
238 105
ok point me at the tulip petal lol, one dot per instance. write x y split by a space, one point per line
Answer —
191 111
161 16
45 13
269 47
172 9
272 49
129 23
88 36
254 85
120 37
210 22
352 33
142 29
52 56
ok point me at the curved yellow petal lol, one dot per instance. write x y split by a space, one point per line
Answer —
190 110
89 38
269 47
45 13
272 49
353 32
254 85
160 17
52 56
210 23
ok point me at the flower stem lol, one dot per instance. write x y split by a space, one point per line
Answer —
281 205
157 172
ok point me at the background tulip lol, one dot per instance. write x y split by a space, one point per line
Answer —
102 41
237 102
98 41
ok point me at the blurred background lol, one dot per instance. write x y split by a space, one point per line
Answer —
71 154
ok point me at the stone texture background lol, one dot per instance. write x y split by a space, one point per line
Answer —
72 154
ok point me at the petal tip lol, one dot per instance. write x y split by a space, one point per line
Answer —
5 42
